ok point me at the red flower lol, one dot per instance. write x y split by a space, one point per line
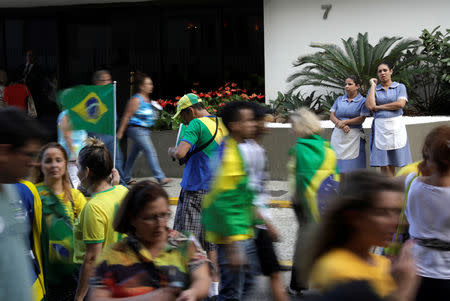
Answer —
221 88
177 98
253 96
234 85
234 90
202 95
207 95
221 104
219 95
227 88
260 96
228 93
193 91
227 84
244 91
213 93
245 96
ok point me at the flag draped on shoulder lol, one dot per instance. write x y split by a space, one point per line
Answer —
227 208
315 173
90 108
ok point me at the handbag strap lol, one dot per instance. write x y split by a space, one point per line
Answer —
402 217
199 149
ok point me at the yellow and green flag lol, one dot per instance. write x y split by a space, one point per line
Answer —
227 209
316 174
90 108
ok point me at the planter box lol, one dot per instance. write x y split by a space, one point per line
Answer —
278 142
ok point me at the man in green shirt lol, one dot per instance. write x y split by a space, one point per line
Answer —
20 141
198 143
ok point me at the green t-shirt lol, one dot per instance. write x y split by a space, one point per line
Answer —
197 174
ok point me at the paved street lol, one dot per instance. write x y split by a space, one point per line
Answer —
284 220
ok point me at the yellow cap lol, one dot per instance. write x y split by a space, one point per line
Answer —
185 102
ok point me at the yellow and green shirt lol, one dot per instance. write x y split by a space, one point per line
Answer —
197 174
340 265
60 216
128 269
95 223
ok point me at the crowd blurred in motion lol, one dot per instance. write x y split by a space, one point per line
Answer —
74 225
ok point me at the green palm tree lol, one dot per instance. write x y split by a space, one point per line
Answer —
331 65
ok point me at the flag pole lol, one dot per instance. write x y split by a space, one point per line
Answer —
115 126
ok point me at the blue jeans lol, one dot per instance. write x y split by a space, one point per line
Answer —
237 282
109 143
142 142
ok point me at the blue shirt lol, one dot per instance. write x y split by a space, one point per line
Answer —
145 115
395 92
344 110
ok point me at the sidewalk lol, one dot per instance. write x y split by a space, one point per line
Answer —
283 216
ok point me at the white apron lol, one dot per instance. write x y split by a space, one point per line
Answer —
346 145
390 133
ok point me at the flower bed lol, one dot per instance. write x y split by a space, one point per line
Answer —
213 101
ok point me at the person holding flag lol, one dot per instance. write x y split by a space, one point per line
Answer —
102 78
314 174
137 120
91 109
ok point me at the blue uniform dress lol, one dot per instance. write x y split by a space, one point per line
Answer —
343 109
395 157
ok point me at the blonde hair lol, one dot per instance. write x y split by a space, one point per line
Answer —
305 123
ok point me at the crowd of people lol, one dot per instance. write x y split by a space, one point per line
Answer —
73 227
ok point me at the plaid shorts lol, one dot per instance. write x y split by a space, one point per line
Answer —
189 214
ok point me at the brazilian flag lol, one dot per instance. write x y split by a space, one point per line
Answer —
314 167
91 108
227 209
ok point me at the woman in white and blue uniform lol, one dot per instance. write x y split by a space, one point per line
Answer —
389 146
137 120
348 113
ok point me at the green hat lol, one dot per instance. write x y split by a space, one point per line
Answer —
185 102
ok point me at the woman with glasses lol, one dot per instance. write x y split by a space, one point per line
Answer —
153 262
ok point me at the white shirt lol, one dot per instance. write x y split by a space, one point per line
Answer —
255 161
428 213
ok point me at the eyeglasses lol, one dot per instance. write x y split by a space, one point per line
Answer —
154 218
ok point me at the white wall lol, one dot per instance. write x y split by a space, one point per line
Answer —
290 26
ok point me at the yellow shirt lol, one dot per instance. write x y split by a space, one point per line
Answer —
408 169
95 223
340 266
78 204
